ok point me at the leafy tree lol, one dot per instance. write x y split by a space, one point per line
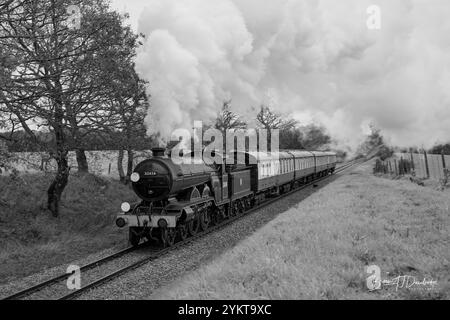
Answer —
374 143
315 138
291 139
440 148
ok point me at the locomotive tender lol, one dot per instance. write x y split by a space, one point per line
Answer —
179 200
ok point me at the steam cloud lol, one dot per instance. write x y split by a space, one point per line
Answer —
313 60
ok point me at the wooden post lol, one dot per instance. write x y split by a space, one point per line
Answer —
426 164
109 169
395 167
412 160
443 159
390 166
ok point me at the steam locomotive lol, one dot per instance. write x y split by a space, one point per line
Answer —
179 200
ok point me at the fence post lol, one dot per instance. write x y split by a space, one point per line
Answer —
443 160
395 167
390 166
401 167
412 161
109 169
426 164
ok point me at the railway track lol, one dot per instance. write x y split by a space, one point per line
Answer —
63 277
150 256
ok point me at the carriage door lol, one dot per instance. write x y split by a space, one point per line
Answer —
225 187
216 188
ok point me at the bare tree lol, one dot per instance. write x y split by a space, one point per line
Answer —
271 120
55 78
228 120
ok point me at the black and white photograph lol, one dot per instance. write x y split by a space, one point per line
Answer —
215 158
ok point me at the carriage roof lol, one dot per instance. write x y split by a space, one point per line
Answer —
323 153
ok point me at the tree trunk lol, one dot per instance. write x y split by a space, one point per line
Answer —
129 165
82 161
120 165
58 185
56 189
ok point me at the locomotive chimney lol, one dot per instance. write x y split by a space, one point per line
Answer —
158 152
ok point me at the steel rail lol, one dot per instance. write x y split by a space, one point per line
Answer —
42 285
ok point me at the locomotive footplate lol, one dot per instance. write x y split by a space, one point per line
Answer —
166 217
168 221
132 221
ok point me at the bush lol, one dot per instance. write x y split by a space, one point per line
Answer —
385 152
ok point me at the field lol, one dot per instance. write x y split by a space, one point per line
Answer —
320 249
101 163
32 240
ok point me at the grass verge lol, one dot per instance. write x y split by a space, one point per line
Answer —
32 240
321 248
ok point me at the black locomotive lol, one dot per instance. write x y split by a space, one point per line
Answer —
178 200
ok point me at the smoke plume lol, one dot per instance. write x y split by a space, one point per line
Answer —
313 60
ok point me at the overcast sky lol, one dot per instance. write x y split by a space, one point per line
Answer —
315 60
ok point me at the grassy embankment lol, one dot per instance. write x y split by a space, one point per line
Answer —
319 249
32 240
